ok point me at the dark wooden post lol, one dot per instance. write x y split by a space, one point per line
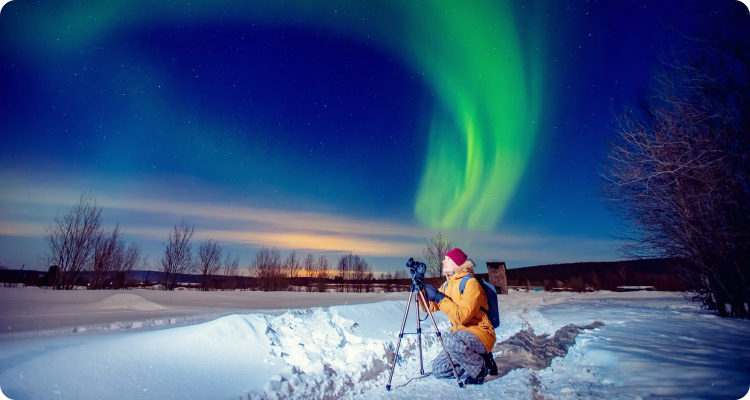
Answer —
496 270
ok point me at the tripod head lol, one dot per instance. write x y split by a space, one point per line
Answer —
417 270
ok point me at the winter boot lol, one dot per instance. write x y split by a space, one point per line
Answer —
489 361
479 379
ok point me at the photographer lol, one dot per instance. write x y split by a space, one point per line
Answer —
472 336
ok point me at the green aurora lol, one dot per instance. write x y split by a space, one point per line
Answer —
487 81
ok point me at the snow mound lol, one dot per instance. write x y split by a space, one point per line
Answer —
330 354
126 302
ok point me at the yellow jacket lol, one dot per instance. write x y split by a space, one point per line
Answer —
464 310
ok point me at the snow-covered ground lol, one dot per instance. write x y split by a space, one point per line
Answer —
33 311
653 345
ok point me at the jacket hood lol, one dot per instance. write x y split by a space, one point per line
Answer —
463 269
468 266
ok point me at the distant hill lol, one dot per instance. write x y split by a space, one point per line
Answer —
17 276
563 271
658 272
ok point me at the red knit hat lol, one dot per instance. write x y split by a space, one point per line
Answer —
457 255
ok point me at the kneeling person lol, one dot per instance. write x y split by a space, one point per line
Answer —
472 336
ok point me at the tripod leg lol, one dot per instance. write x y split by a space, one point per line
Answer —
398 344
419 335
421 296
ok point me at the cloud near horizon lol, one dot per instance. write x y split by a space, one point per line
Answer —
30 208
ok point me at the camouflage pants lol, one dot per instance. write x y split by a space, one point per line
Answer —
465 350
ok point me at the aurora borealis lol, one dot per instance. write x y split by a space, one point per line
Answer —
491 98
438 115
481 127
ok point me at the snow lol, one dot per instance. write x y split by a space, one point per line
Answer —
652 345
37 312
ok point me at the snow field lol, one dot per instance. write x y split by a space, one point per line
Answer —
309 353
653 345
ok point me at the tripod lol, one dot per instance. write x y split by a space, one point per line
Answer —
416 289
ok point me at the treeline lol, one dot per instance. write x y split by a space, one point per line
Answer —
400 281
12 278
586 276
208 261
83 253
605 280
351 273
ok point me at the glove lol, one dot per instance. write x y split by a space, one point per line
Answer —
433 294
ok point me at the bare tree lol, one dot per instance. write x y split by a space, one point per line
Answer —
231 272
131 261
261 268
113 263
434 254
308 271
267 269
344 268
292 267
209 262
178 255
678 172
72 240
108 253
323 273
357 274
361 273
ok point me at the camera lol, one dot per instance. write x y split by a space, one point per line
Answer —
417 270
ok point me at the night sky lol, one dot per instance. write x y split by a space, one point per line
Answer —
328 126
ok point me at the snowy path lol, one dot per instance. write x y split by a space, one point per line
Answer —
653 345
658 348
